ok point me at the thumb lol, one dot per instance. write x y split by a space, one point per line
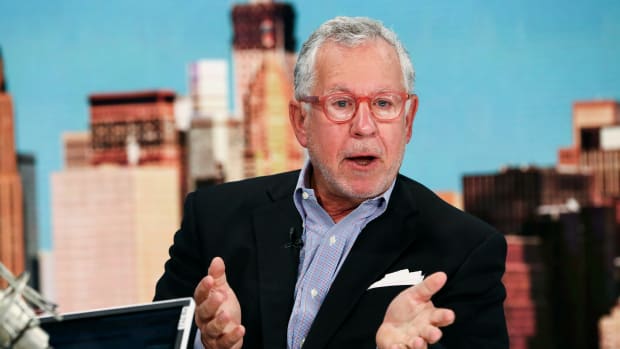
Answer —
217 270
428 287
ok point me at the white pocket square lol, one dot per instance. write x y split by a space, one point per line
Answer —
399 278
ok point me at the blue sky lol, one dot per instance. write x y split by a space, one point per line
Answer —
496 79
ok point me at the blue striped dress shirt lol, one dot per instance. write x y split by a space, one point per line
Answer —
325 247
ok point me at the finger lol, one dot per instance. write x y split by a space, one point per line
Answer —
203 288
442 317
215 328
431 334
429 286
206 311
231 338
217 270
417 343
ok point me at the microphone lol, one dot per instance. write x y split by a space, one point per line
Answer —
19 325
295 241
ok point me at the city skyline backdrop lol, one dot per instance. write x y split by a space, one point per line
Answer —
496 81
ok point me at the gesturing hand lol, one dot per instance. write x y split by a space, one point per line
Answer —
411 320
218 313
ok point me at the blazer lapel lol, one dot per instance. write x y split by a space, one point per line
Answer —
377 247
277 263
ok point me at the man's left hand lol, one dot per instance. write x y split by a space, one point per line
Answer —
411 320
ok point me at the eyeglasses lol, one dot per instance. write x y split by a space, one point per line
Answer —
341 107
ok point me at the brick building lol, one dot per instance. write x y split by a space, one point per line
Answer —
112 226
12 251
526 306
260 28
270 143
514 196
116 204
596 148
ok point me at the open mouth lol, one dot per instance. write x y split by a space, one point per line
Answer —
362 160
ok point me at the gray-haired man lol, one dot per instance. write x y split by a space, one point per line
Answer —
365 233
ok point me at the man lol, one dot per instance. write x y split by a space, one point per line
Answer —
308 258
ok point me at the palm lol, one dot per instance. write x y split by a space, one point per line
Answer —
411 319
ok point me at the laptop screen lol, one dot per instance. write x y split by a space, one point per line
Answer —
158 325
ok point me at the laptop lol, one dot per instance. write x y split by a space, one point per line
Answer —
157 325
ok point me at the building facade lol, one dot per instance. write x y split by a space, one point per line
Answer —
214 139
514 196
264 59
112 228
579 251
27 171
12 251
77 149
596 148
143 120
117 203
270 143
260 28
526 307
137 128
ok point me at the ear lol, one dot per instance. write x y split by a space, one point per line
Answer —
297 118
413 108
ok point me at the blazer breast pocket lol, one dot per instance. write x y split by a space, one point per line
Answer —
360 327
374 303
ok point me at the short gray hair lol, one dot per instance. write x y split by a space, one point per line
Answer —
348 31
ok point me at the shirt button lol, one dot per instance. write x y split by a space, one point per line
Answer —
332 240
305 195
314 292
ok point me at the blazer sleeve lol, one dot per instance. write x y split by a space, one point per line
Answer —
186 266
476 294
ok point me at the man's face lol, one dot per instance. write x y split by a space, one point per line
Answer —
360 158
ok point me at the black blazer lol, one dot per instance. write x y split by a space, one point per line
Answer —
247 223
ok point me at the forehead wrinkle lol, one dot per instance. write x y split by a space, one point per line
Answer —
329 76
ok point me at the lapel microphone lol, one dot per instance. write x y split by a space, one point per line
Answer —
294 239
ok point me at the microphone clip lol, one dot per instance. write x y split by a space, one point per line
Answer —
295 240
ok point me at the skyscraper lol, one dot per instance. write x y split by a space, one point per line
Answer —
270 144
579 249
264 60
526 306
215 140
116 204
11 200
137 128
112 226
514 196
260 28
574 210
26 164
596 148
142 120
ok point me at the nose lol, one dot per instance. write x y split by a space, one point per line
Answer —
363 123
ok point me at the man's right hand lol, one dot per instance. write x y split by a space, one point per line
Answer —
218 312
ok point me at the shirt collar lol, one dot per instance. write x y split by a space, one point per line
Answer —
303 184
